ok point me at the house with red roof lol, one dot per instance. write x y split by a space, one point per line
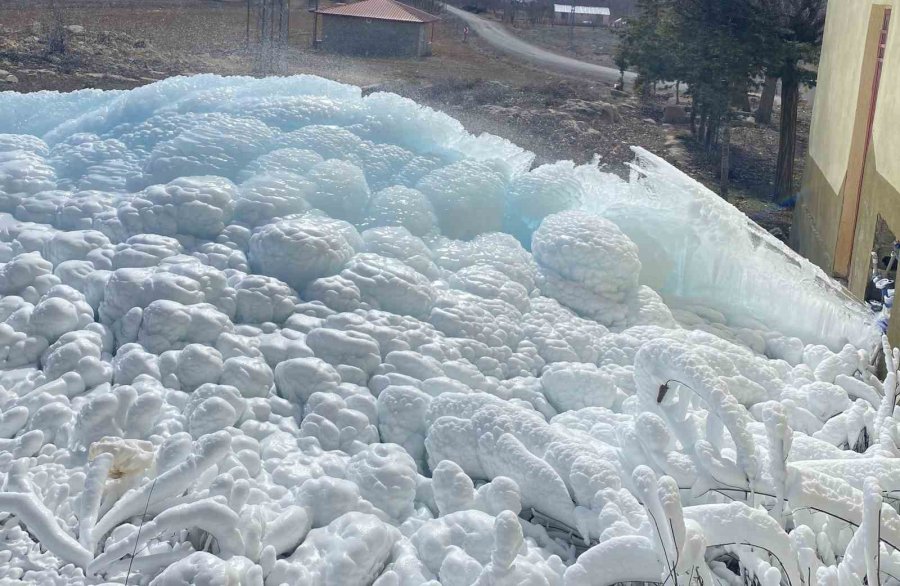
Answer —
375 28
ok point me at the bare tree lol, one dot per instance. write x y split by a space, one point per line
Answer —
56 30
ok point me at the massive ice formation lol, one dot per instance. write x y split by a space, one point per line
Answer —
267 331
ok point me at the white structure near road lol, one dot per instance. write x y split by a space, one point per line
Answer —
580 15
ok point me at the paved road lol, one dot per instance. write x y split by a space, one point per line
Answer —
496 35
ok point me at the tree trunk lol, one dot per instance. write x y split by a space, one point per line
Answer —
704 124
766 101
784 171
725 151
712 128
694 120
701 137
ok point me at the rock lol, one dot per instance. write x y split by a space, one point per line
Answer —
650 121
574 126
12 79
495 111
675 114
38 71
3 73
587 109
676 154
75 29
372 88
608 111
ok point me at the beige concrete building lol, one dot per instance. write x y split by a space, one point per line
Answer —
849 203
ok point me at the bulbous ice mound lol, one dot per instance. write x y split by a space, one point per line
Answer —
287 160
264 198
80 209
218 146
196 206
330 142
468 197
389 284
266 331
383 162
144 250
299 251
261 299
73 158
23 172
386 475
23 142
589 250
402 206
397 242
499 251
546 190
341 189
490 283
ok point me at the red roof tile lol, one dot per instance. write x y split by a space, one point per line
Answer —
380 10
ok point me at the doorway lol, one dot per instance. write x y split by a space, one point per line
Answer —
882 284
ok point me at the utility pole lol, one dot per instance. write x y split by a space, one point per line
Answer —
315 35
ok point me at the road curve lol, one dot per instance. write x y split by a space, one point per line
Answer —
496 35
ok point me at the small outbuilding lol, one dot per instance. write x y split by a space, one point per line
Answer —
572 15
376 28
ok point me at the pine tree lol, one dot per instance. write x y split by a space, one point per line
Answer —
719 48
647 43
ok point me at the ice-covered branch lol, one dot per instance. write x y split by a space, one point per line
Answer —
207 515
210 450
40 521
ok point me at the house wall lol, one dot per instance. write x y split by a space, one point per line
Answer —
567 18
837 146
374 38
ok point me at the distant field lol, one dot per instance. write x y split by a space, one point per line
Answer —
171 25
129 43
